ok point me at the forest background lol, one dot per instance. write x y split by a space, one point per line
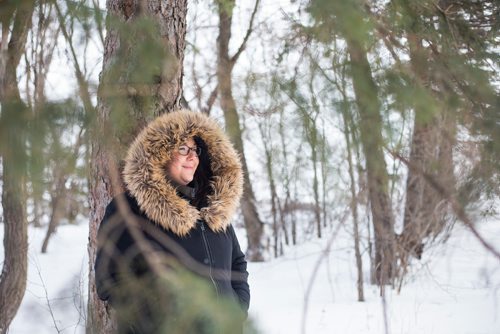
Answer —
378 117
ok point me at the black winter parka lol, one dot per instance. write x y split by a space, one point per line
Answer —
217 255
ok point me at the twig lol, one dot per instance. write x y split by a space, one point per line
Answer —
78 300
53 317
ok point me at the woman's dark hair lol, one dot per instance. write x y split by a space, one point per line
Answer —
203 175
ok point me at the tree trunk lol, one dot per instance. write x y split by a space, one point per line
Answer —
371 138
138 82
272 188
317 208
293 210
15 265
324 176
354 203
311 134
286 183
225 64
57 205
60 197
312 139
431 152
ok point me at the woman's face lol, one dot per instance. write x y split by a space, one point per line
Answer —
182 167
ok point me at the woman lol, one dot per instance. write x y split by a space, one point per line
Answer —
183 183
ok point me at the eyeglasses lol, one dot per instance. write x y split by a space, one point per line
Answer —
184 150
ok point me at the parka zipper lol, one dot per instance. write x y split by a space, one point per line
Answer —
209 254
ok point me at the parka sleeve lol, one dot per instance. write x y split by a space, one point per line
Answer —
118 261
105 263
239 276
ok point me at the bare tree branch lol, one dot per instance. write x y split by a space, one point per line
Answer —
242 47
82 82
211 100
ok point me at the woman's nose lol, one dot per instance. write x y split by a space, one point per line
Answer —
192 154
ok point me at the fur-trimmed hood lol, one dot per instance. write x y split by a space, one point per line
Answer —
146 179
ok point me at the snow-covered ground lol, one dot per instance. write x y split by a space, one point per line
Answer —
56 291
455 289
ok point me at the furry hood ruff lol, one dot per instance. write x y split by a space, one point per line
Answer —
146 179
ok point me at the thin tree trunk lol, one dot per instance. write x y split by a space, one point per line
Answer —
309 124
324 176
371 138
347 122
44 43
14 271
225 64
360 195
37 208
134 94
274 195
354 209
312 136
286 184
294 216
446 172
59 200
317 211
348 132
57 203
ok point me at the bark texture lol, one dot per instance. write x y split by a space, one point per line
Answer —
15 264
141 78
431 152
